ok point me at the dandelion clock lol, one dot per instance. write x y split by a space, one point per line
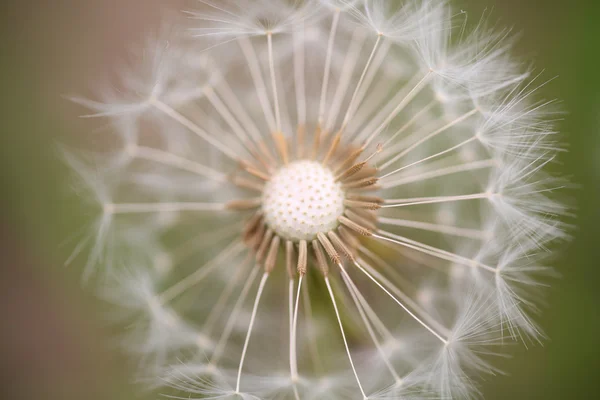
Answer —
320 199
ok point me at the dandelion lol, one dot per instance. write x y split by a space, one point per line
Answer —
323 199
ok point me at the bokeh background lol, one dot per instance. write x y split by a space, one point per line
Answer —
54 343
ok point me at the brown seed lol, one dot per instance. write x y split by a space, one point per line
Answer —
302 257
241 205
331 251
339 244
272 254
320 257
355 227
264 243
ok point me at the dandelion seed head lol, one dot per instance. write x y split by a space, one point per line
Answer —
317 199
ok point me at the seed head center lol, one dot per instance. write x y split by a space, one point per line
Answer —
302 199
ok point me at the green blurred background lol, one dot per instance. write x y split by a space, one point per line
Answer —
53 343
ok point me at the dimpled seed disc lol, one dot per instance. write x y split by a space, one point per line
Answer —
301 200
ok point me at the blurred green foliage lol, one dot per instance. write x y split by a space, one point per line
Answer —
53 344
